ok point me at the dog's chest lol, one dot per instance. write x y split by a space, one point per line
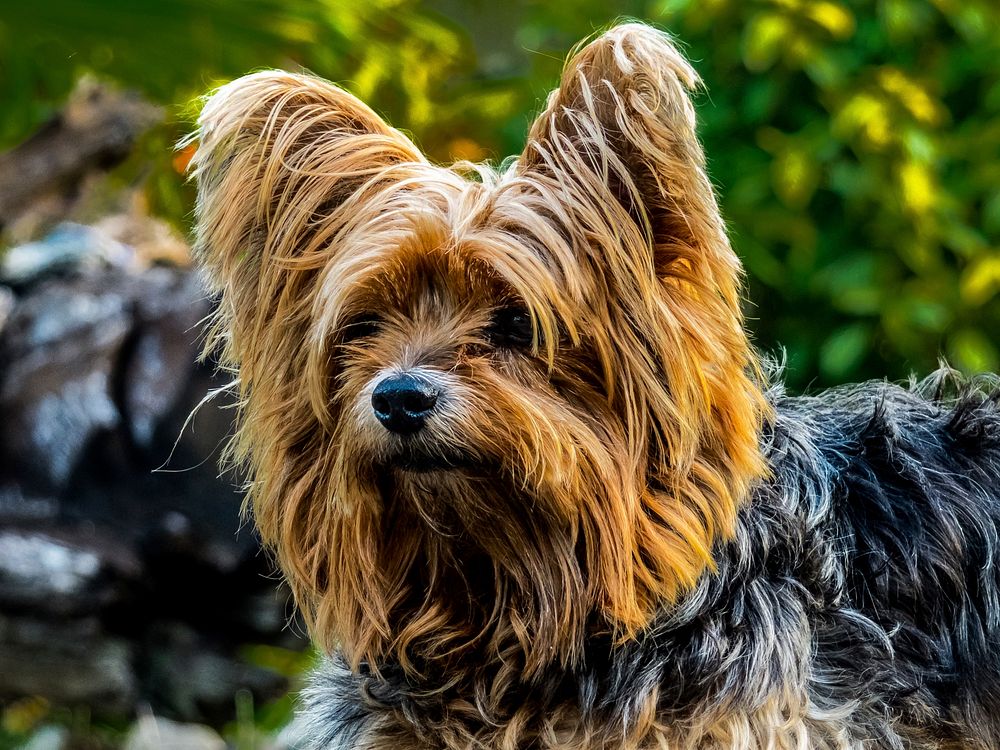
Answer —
341 713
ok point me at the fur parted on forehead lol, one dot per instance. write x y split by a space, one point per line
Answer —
603 462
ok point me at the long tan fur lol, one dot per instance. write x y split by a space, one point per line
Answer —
607 461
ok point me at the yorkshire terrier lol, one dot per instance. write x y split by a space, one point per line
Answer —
524 472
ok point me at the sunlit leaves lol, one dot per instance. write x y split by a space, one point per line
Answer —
792 30
917 186
972 350
867 118
765 37
833 17
856 144
844 350
795 169
981 280
877 235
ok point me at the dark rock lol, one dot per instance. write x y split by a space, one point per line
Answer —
60 347
87 354
192 679
121 549
68 247
267 612
16 507
7 300
36 570
62 572
160 361
128 581
69 662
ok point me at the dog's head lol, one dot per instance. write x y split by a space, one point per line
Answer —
481 407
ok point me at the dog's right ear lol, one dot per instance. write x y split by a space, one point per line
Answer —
280 160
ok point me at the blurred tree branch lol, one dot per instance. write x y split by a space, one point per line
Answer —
95 130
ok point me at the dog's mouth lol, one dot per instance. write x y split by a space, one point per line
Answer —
417 460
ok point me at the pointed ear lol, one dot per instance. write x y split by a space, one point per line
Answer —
615 160
279 157
621 126
615 164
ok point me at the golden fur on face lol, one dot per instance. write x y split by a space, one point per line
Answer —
571 483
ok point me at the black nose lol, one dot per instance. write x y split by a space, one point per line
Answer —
402 403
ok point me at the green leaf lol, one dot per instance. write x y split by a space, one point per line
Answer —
842 352
971 351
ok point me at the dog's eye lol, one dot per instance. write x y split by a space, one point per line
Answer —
510 327
359 328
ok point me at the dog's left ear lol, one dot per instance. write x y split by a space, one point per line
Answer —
614 163
283 162
621 126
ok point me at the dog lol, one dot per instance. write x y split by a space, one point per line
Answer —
529 481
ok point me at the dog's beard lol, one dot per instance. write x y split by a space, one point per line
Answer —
478 565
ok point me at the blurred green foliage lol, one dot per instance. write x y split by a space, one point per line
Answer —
856 144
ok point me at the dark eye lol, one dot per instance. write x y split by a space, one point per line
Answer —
360 327
510 328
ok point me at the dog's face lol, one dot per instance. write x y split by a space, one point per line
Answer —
478 407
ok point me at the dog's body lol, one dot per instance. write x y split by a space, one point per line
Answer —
858 606
513 450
